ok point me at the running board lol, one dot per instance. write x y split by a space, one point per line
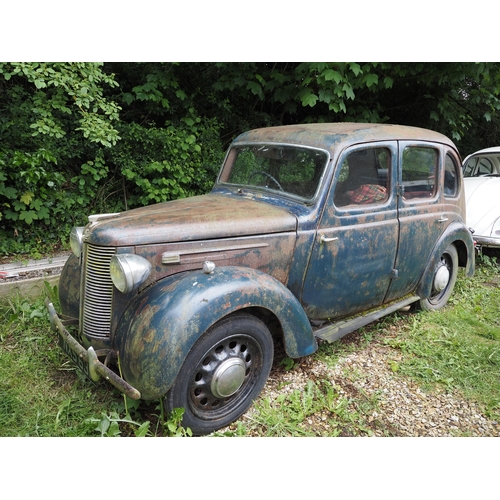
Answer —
337 330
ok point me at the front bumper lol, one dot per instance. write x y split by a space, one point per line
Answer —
87 359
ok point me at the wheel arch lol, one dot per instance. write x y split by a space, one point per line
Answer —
463 253
458 235
162 324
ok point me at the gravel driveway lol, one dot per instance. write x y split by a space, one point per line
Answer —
403 408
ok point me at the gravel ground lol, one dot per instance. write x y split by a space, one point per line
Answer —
403 408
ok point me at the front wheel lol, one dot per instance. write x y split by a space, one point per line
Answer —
223 373
443 281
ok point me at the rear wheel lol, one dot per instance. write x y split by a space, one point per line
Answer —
223 373
443 281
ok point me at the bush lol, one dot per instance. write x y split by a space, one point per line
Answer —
66 154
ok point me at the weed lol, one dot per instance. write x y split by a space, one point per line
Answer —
315 410
288 363
173 425
108 425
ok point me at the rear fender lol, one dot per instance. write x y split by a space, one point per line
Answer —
162 324
461 237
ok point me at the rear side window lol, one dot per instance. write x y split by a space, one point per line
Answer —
450 177
419 172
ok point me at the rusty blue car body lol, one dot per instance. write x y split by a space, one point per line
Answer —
310 232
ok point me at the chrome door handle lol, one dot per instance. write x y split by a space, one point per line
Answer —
442 219
324 239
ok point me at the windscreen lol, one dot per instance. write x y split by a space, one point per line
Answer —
488 164
288 169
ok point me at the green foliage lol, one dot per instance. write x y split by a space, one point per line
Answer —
81 138
59 89
173 425
458 99
54 118
184 162
288 363
108 425
62 158
317 409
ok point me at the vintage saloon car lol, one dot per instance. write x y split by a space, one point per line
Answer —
310 232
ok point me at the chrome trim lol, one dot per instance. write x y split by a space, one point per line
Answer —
134 270
98 217
76 240
175 257
97 291
96 369
208 267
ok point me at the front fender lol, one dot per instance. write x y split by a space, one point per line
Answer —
162 323
69 287
456 233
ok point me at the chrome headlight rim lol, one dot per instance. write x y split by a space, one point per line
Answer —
495 228
76 240
128 271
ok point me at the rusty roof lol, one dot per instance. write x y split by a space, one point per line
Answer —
333 135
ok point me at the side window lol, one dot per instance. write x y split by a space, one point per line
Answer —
363 178
419 171
450 176
469 167
484 166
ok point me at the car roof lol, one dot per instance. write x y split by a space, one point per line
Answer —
333 135
494 149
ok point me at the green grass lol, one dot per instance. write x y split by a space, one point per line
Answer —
42 395
457 348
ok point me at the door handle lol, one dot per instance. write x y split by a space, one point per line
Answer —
324 239
442 219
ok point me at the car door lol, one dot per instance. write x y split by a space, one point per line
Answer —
353 255
421 211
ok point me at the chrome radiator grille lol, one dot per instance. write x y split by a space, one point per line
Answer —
98 291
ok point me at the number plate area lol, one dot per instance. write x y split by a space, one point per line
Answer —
81 363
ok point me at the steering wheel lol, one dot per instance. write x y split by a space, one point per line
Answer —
261 172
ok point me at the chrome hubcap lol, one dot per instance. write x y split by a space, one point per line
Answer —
228 378
442 278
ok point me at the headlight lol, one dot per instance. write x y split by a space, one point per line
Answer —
128 271
76 240
495 230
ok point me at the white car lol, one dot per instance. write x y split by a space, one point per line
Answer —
482 194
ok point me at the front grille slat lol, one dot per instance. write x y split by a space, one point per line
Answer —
98 291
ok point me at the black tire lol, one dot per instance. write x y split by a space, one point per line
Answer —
443 281
223 373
